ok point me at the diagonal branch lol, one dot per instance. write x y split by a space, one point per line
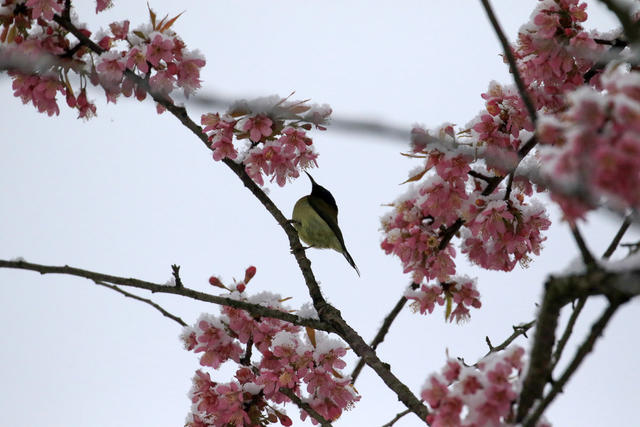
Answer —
326 312
382 332
305 407
145 300
616 239
587 258
512 62
396 418
517 331
567 332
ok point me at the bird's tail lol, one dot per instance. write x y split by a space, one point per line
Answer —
350 260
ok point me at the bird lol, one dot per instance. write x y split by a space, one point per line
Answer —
315 218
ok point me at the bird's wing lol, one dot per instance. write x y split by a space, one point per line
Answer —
322 208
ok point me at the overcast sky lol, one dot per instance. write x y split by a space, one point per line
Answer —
131 192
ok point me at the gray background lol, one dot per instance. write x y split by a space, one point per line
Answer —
131 192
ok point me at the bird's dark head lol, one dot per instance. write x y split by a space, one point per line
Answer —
322 193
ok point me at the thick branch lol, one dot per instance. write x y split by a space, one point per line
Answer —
581 353
560 291
254 309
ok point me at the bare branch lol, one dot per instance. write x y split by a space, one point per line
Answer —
581 353
305 406
517 331
567 332
254 309
382 332
587 258
396 418
616 239
145 300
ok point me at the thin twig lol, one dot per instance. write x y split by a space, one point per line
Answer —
517 331
254 309
145 300
305 407
587 258
382 332
512 62
581 353
396 418
175 271
616 240
507 193
567 332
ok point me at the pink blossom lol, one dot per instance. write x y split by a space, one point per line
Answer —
484 392
160 49
110 68
44 8
294 139
189 74
258 127
120 30
137 58
41 91
103 5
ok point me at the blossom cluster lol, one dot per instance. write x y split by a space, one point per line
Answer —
268 136
480 395
460 290
595 143
306 364
496 230
125 62
588 121
554 52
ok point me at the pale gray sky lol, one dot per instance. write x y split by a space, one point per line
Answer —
131 192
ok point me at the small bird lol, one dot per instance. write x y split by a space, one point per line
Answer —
315 217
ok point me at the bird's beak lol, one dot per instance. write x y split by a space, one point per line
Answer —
310 177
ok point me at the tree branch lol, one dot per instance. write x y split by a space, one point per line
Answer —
623 13
254 309
560 291
305 407
567 332
581 353
616 239
512 62
145 300
587 258
517 331
382 332
396 418
326 312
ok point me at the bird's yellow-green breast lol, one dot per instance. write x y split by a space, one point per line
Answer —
312 229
